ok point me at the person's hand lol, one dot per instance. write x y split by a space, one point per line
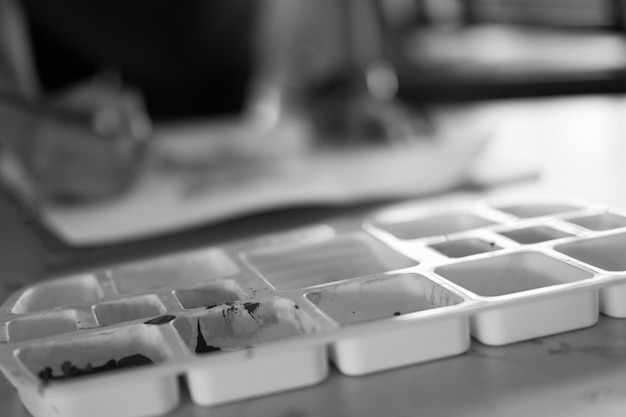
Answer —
349 111
86 144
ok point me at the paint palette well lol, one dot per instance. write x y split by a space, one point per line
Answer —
404 285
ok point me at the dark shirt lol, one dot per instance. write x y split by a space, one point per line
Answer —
189 57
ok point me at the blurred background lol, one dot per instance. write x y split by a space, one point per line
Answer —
481 49
213 110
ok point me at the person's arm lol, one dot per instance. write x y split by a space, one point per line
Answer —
80 144
17 71
17 77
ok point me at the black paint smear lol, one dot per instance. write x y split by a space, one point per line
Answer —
251 308
201 346
160 320
297 306
397 313
211 306
72 371
134 360
229 313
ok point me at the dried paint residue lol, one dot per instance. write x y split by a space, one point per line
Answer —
72 371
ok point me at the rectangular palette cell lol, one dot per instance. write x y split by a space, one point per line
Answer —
460 248
237 325
416 342
262 374
388 298
535 234
613 300
530 317
69 372
527 211
87 356
128 309
441 224
70 291
598 222
607 253
307 265
536 318
511 273
604 252
175 270
43 325
244 325
210 295
381 298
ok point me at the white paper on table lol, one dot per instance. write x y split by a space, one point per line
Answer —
198 189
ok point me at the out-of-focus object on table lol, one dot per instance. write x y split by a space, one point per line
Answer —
194 177
275 154
83 145
79 142
479 49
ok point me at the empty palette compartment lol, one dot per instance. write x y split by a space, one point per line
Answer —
95 375
460 248
306 265
392 298
180 270
600 222
605 253
128 309
429 226
534 234
245 327
75 290
42 325
219 292
523 288
530 210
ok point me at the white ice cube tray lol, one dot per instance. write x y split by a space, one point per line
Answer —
404 285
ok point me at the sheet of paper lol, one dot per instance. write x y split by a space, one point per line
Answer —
198 179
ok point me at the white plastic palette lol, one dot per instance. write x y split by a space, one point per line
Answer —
407 284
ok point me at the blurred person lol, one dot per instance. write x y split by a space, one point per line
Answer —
111 66
80 82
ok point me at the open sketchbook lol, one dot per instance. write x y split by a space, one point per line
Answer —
198 179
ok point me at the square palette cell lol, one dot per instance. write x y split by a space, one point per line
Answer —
603 221
535 234
69 291
607 253
72 372
179 270
307 265
527 211
441 224
389 297
42 325
210 295
381 298
604 252
128 309
244 325
460 248
512 276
